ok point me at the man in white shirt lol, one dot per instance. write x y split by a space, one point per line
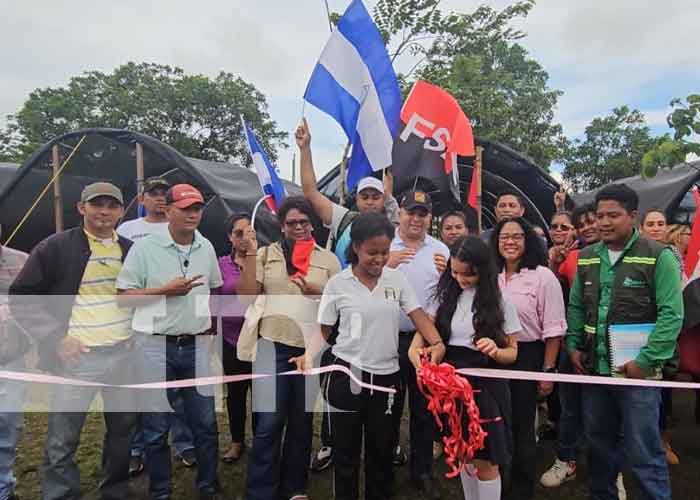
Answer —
415 252
155 222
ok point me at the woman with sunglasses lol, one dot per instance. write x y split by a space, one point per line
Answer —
478 326
291 274
536 293
228 313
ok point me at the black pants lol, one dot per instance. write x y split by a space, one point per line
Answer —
523 395
362 413
237 392
421 423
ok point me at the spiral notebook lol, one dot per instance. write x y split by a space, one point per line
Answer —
627 341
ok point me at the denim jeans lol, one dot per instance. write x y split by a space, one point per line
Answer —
69 406
162 360
273 475
571 418
622 429
11 422
180 433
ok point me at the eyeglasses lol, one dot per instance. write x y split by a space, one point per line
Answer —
561 227
518 237
303 223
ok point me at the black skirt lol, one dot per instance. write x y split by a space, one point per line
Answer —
493 400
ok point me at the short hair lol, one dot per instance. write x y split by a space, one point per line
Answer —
511 192
535 252
653 210
453 213
580 212
621 193
295 202
367 226
234 218
563 213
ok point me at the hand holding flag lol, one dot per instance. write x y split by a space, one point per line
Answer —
270 183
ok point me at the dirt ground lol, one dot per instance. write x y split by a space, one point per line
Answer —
685 477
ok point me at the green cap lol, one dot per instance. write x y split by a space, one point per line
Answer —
96 189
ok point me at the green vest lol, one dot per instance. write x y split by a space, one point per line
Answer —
633 294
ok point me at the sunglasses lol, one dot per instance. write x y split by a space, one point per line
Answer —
303 223
561 227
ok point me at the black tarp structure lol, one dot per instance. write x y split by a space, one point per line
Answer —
503 169
110 154
669 191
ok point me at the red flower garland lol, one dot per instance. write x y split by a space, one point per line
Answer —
450 394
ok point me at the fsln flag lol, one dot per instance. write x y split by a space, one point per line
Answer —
270 182
355 83
691 258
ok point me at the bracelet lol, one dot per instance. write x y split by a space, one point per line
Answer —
251 255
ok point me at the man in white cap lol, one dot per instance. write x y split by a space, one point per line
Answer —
372 195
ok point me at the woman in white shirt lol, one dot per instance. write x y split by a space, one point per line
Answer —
366 299
479 328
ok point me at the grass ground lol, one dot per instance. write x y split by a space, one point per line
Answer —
685 477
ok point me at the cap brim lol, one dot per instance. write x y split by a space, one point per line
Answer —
411 206
373 188
108 195
187 202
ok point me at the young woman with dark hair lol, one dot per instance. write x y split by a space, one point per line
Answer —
479 328
537 295
366 299
453 225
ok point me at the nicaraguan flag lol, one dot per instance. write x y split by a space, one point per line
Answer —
267 175
354 82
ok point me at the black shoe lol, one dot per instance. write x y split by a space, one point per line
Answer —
188 458
209 496
427 486
135 466
399 457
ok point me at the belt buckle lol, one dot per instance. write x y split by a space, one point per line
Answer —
181 339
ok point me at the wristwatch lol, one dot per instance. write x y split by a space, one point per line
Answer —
550 369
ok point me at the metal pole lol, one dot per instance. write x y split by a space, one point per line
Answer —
343 174
57 199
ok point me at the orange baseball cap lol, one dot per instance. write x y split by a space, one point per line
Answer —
183 196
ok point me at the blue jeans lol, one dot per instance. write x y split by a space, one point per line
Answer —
273 475
180 433
69 406
622 429
11 422
571 418
163 360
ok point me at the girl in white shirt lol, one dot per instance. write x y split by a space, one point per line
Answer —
478 327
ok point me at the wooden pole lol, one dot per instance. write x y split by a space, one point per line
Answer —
294 168
139 170
343 175
57 199
478 167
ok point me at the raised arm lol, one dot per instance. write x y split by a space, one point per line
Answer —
322 205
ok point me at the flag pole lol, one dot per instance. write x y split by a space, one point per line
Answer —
255 210
478 168
342 193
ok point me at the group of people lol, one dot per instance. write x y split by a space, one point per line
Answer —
150 301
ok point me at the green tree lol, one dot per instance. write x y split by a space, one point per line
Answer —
685 121
197 115
477 58
612 149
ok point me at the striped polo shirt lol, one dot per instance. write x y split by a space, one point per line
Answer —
96 320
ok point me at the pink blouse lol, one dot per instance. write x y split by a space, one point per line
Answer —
538 298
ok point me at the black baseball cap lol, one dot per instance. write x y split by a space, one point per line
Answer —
417 199
154 183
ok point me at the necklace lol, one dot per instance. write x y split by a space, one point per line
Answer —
184 264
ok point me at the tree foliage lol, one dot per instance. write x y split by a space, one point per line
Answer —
197 115
477 58
685 121
612 149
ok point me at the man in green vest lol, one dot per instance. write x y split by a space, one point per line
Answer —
624 279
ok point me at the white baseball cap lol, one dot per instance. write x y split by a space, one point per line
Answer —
370 183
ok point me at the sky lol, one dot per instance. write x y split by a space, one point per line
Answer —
601 54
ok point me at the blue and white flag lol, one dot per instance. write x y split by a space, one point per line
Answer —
267 174
355 83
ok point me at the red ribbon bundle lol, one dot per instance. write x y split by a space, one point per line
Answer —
451 395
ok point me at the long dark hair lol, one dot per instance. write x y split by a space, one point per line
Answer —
535 249
302 204
365 227
488 316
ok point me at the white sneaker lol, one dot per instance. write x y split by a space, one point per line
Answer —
558 474
621 491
